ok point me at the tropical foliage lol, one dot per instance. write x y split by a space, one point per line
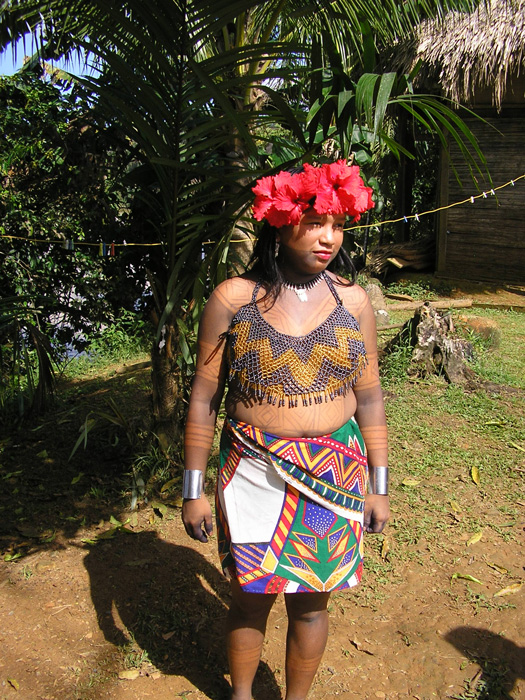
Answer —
60 182
213 95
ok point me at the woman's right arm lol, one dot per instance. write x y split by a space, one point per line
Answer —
205 400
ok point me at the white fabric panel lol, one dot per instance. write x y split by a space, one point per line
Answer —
252 501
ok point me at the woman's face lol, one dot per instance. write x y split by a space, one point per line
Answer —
309 247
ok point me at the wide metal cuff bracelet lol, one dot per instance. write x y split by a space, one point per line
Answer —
378 481
192 483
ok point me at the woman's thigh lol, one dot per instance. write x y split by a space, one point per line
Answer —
306 605
250 605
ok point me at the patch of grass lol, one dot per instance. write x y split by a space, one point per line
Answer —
491 684
504 364
479 601
128 338
419 290
394 366
135 658
438 432
91 365
89 686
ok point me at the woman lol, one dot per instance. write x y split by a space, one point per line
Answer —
304 407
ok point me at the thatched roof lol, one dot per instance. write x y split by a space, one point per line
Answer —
467 52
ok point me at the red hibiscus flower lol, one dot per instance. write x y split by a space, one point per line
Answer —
280 202
334 188
342 191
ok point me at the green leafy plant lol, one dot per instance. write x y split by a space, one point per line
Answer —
127 336
418 290
196 101
27 358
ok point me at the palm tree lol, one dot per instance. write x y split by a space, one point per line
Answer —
196 85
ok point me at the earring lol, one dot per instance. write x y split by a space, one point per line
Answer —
276 254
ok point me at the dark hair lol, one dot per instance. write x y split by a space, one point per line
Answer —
264 261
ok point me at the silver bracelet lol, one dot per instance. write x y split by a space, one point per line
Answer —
192 483
378 481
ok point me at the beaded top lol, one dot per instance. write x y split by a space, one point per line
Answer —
284 368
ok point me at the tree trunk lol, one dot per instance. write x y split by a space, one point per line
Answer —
168 406
405 178
435 351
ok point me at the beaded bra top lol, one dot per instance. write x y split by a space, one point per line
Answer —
284 368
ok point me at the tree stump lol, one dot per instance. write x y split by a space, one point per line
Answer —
435 350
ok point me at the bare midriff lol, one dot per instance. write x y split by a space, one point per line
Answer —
297 421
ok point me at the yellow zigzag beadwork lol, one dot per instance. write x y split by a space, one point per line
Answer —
315 367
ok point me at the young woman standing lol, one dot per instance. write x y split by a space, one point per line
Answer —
304 446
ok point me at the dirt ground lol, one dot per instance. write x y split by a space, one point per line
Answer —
98 602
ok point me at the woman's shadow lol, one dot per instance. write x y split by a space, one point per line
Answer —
172 603
502 662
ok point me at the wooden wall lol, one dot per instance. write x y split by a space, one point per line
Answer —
485 241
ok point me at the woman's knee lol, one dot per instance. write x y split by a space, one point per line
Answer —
308 608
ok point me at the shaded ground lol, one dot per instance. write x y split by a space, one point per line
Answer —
92 608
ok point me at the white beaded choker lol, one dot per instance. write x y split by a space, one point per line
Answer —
303 287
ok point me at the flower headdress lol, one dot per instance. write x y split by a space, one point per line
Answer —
332 188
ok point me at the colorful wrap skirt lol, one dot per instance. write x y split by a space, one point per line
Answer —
290 510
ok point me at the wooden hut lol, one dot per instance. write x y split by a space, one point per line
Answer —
478 60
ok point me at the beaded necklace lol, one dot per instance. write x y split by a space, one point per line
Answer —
303 287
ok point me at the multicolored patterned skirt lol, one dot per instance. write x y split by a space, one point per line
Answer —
290 510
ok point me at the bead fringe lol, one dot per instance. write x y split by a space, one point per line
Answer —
280 399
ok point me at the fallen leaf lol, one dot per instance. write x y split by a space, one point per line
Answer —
108 534
475 538
455 506
385 548
474 473
48 536
77 478
410 482
360 647
509 590
168 635
516 446
169 484
160 507
466 577
499 569
13 683
12 557
129 675
43 454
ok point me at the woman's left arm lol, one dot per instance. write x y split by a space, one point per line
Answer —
370 416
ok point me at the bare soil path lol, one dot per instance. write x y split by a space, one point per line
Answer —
97 602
